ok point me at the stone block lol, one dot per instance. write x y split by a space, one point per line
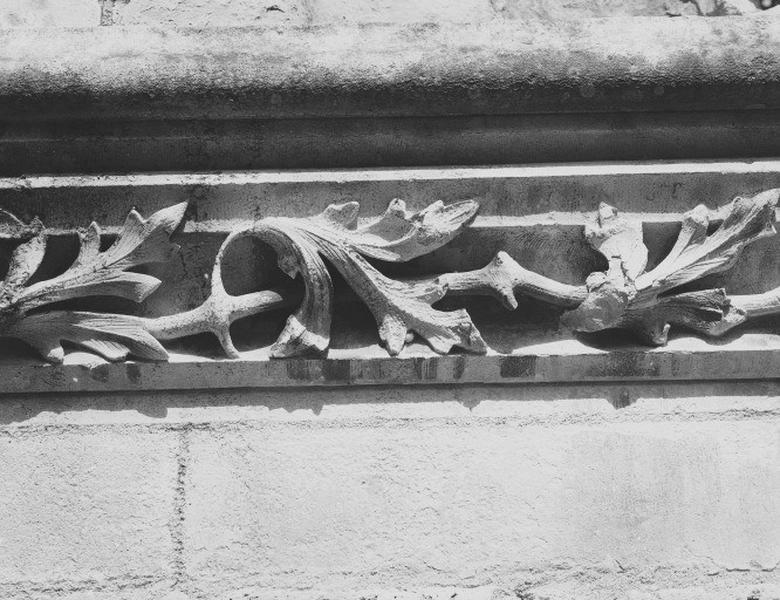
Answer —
412 505
85 509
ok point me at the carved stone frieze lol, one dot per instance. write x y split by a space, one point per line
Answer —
44 312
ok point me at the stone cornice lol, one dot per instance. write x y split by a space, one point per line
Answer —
498 68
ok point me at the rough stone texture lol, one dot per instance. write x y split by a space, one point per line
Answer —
85 509
437 504
49 13
211 13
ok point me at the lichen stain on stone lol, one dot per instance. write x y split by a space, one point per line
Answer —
337 371
621 399
426 369
299 370
133 372
100 373
459 367
517 367
625 364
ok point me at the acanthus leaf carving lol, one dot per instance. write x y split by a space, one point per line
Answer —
402 308
112 336
398 235
645 301
23 305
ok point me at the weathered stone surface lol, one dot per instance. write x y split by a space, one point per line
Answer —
199 13
211 13
292 95
601 65
49 13
85 510
749 355
715 589
265 460
281 13
437 503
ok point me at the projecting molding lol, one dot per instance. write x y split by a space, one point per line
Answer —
44 313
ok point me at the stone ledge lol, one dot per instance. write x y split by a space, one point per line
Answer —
749 356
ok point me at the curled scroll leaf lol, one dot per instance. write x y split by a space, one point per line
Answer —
307 331
399 308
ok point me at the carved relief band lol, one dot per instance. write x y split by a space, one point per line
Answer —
341 260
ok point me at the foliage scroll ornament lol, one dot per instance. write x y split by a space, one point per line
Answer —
625 296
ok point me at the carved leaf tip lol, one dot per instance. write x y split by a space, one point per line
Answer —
442 331
400 235
400 308
25 260
111 336
619 240
342 215
12 228
298 340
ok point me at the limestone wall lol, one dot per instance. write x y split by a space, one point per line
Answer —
471 492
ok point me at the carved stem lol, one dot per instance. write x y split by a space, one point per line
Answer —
758 305
503 278
213 313
220 309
